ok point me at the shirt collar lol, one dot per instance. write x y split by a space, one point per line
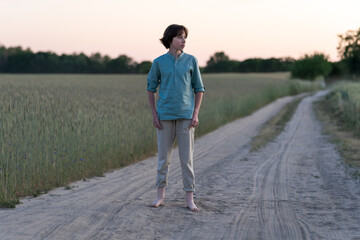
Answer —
173 57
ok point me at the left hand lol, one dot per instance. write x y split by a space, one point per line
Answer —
194 121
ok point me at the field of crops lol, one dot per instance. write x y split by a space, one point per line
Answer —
55 129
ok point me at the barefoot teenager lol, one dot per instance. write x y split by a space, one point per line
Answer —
177 76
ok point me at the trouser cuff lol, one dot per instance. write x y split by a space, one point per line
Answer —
189 189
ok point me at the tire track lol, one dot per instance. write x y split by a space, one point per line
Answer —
270 191
277 197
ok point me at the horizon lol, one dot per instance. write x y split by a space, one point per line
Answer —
242 29
103 55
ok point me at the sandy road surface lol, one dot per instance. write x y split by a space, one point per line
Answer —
294 188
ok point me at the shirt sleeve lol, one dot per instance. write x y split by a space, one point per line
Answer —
153 78
196 80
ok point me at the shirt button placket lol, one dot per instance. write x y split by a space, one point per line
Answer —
175 70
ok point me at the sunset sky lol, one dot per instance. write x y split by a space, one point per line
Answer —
242 29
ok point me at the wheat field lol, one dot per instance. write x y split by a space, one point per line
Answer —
58 128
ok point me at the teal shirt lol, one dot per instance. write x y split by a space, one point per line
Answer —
178 80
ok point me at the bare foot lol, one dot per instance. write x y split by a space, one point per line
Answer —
157 203
193 207
160 196
190 202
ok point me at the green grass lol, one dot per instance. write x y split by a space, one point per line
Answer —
344 100
56 129
340 114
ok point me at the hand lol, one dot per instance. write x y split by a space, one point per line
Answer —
156 122
194 121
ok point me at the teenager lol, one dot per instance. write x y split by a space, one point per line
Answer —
177 77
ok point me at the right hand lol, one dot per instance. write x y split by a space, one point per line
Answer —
156 122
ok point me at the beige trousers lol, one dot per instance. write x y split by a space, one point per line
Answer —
179 129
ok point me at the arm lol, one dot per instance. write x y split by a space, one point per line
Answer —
195 118
199 90
156 122
152 84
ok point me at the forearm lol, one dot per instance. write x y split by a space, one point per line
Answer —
156 121
151 97
198 100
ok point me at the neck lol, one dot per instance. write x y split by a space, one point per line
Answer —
175 52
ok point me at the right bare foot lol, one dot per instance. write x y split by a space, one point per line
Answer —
157 203
160 196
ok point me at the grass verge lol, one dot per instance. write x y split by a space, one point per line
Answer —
347 143
275 125
9 203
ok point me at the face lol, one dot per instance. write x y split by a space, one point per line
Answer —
178 42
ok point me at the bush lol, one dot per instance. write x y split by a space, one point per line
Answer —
311 66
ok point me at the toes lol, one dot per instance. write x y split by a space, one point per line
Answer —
156 204
193 209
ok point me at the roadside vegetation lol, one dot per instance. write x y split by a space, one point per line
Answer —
340 113
56 129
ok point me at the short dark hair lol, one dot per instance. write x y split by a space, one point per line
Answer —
172 31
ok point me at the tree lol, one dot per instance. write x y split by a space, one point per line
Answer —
220 62
250 65
44 62
121 64
143 67
218 57
311 66
2 57
349 50
18 60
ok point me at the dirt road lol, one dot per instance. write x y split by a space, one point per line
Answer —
294 188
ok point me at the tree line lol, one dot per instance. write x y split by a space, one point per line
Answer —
19 60
220 62
308 67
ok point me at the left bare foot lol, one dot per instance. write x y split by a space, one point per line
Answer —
193 207
190 202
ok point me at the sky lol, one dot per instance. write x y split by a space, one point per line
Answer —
241 28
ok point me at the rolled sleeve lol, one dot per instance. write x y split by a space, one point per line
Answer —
153 78
196 80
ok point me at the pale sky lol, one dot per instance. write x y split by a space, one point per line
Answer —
242 29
